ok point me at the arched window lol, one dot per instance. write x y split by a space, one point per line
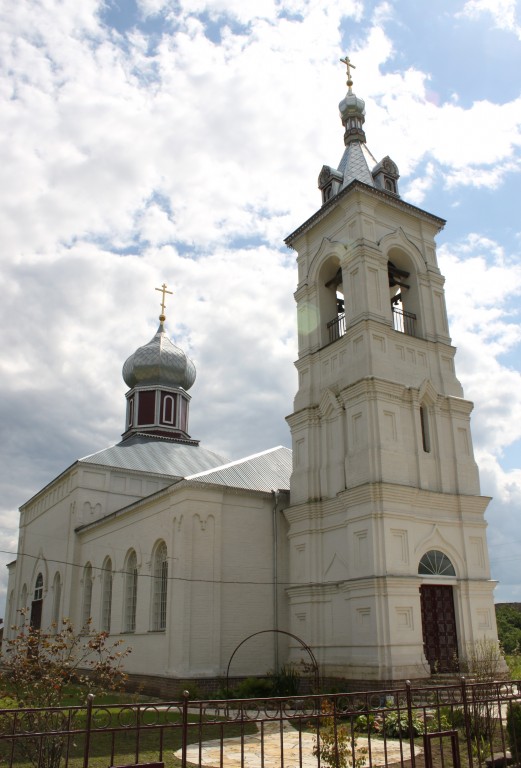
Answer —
37 603
106 595
129 621
435 563
168 409
38 588
160 587
10 609
56 600
332 302
87 595
424 423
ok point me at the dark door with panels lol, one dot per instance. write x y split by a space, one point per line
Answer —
440 640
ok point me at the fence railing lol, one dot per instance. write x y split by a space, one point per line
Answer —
336 328
438 727
403 321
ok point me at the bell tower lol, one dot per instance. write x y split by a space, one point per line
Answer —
389 567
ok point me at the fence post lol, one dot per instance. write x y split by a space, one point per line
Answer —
410 721
88 726
184 731
468 730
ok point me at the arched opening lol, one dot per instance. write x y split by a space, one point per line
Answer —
87 596
56 601
37 603
331 301
159 587
129 621
440 639
403 292
106 595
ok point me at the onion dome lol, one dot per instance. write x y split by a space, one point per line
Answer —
352 112
159 364
357 161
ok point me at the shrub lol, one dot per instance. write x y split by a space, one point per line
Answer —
514 729
254 688
334 743
396 724
285 682
40 668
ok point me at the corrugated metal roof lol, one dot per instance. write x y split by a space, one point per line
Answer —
162 457
266 471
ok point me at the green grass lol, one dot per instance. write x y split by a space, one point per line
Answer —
109 746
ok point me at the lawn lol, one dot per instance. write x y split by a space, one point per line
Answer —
117 737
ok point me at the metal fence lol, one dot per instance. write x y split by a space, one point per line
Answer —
456 725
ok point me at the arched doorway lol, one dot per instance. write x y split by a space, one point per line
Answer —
440 639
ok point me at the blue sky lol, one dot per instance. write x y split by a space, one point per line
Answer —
151 141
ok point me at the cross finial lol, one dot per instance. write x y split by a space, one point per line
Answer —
349 67
163 290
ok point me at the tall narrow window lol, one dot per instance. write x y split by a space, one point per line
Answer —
87 595
56 600
160 587
106 595
424 422
168 409
37 603
38 588
129 622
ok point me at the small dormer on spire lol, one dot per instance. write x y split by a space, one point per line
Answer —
357 160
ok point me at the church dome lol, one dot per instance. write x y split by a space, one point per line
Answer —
159 363
351 105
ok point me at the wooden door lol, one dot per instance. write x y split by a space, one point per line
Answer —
440 640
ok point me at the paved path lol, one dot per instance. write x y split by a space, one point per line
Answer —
232 751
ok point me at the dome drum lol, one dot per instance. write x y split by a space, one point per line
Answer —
157 411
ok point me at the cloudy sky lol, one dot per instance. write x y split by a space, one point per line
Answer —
179 141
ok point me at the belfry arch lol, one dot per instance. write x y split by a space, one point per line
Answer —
331 300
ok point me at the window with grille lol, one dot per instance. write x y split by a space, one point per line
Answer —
435 563
130 592
106 596
87 595
160 586
38 588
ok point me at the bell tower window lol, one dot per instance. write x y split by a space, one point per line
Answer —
336 325
403 320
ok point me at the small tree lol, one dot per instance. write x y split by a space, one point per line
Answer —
39 667
335 744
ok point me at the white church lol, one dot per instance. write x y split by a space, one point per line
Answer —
366 542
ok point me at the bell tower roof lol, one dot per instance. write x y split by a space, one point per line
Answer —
357 162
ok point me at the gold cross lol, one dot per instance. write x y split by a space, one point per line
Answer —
349 67
163 291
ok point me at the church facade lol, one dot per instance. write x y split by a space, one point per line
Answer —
367 541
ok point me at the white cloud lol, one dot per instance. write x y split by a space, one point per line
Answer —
503 12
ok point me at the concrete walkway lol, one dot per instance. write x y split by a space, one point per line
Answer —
297 752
